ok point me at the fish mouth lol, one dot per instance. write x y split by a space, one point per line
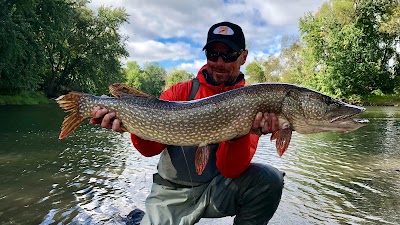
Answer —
350 118
347 113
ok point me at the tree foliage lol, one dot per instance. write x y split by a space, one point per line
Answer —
83 50
283 67
292 60
177 76
255 72
150 79
59 45
390 22
21 56
347 49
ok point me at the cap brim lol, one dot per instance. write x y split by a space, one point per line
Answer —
228 42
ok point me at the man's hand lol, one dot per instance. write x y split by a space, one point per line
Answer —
265 123
105 119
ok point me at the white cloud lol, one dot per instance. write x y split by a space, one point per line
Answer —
160 30
192 67
150 50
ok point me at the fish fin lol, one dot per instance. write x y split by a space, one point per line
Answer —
201 158
123 128
274 135
70 104
282 138
119 90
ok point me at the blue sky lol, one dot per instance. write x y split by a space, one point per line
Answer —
173 33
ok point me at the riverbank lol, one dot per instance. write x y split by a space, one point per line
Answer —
381 100
31 98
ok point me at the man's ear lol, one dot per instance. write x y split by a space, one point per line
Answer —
244 57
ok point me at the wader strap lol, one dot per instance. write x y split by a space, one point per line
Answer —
195 88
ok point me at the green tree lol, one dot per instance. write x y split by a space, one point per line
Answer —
391 26
133 75
292 61
283 67
177 76
264 70
150 79
346 52
59 45
391 22
21 56
255 72
272 69
83 50
155 79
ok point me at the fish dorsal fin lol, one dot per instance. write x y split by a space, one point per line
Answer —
121 90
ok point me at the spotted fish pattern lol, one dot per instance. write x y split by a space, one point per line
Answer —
217 118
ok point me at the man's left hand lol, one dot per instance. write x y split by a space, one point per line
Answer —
265 123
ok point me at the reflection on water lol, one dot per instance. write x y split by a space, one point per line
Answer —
96 177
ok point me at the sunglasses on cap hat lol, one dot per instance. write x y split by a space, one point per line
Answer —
227 57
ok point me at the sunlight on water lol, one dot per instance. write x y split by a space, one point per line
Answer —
96 176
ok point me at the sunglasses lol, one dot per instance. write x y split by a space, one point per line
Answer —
227 57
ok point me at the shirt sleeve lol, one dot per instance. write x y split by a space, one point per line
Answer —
233 157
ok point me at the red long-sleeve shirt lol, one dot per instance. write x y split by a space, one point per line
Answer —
233 157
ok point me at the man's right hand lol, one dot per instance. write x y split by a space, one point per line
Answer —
105 119
265 123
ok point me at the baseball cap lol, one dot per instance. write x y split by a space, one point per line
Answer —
228 33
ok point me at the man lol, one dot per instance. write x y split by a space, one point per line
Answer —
230 184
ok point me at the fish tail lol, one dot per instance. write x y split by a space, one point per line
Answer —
70 104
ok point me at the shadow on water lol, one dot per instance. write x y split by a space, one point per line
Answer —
96 177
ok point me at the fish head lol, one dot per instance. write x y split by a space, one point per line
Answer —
317 112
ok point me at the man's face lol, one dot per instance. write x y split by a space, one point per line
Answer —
221 71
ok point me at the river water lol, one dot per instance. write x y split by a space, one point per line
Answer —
95 176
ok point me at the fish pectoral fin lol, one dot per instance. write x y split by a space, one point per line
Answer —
120 90
201 158
282 138
123 128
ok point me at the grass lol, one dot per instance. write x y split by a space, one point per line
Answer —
24 99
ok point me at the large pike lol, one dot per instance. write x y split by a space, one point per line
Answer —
217 118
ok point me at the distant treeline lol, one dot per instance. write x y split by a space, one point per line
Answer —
347 49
